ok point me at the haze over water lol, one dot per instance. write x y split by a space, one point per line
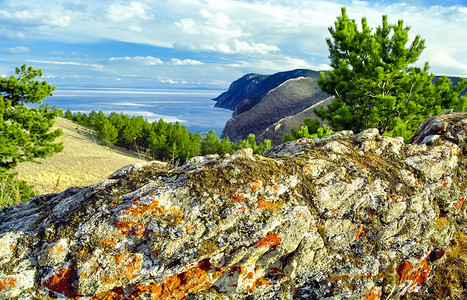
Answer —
191 107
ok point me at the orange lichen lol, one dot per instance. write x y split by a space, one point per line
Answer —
107 280
127 267
248 276
458 204
131 227
138 230
60 282
276 187
256 185
12 248
237 197
262 204
109 242
119 258
177 286
124 226
416 274
298 214
260 281
271 240
136 209
8 282
397 198
360 230
175 215
373 295
190 228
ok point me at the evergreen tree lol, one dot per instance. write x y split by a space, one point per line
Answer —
310 129
210 144
373 83
68 114
226 146
25 133
106 132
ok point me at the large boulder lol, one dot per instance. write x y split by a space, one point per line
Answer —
348 216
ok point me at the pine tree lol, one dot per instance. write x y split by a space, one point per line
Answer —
107 132
25 133
210 143
373 83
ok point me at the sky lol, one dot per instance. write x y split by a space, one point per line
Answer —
204 43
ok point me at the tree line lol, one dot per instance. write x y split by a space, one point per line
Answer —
159 139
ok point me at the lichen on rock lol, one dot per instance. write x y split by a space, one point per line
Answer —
356 216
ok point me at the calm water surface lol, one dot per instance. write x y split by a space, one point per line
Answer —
191 107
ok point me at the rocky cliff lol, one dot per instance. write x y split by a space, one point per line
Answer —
291 98
248 90
349 216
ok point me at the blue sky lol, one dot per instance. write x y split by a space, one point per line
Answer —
204 43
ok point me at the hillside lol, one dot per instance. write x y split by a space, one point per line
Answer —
288 99
82 162
247 91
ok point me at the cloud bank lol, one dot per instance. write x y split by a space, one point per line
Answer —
205 41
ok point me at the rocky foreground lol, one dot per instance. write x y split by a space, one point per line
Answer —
349 216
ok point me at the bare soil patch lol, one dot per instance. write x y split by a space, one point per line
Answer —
83 161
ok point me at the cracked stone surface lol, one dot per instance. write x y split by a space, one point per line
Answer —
349 216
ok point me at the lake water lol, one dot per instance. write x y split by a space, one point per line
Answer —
191 107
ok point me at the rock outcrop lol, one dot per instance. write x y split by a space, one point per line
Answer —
348 216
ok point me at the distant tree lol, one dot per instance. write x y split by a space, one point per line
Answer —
373 83
250 142
226 147
107 132
25 133
68 114
163 141
310 129
210 143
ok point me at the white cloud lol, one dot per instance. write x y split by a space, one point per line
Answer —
3 76
253 36
277 64
169 81
36 17
239 47
178 62
15 50
121 12
69 63
144 60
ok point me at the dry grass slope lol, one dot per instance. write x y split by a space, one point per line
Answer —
82 162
